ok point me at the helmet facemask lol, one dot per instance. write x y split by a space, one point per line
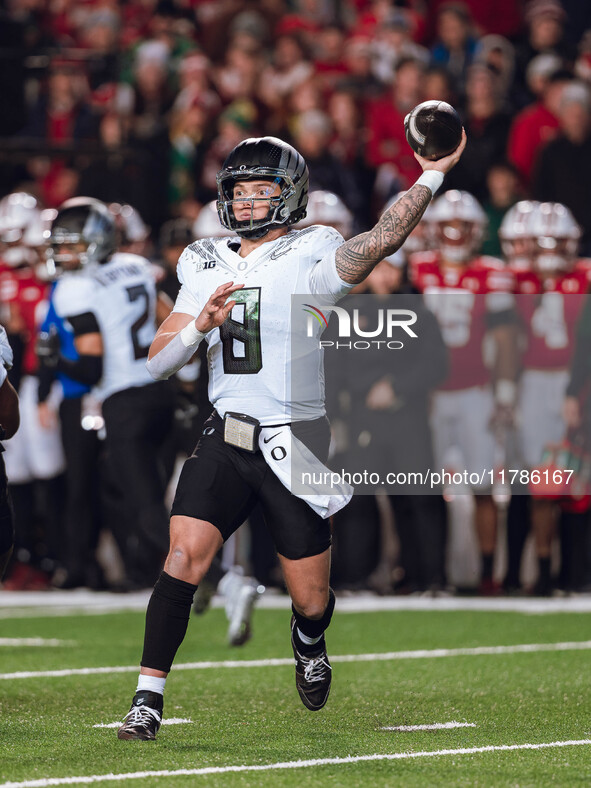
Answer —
458 223
458 240
555 255
517 234
278 214
518 252
62 256
557 236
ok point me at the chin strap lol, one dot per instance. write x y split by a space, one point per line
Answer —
258 232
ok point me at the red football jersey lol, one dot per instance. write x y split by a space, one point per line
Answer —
461 299
21 289
550 309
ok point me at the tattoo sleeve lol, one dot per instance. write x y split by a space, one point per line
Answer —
358 256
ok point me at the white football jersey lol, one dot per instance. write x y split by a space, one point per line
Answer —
250 355
121 294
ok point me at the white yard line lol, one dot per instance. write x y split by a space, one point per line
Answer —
435 726
171 721
388 656
396 756
51 642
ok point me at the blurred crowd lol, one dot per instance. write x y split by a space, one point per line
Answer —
138 103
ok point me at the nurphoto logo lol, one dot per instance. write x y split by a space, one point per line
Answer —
388 323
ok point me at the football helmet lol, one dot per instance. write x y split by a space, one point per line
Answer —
517 234
557 236
458 223
207 224
17 211
85 221
263 158
36 238
37 232
421 238
130 224
328 209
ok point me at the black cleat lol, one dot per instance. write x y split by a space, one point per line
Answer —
144 718
313 674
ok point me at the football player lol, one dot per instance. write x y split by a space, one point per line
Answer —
81 427
552 295
34 458
471 296
517 235
109 300
237 293
134 233
9 423
328 209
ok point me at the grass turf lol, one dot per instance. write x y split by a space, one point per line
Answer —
254 716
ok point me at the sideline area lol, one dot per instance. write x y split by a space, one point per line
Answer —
26 603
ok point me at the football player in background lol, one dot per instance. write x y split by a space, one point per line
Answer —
517 238
34 458
134 233
9 423
552 295
471 296
81 427
328 209
109 300
237 292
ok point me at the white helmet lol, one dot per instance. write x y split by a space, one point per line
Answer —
517 234
421 238
208 225
328 209
130 224
459 223
38 230
556 236
17 211
36 240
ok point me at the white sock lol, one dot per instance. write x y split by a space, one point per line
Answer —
306 640
150 684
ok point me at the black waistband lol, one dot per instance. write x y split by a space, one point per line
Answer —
215 415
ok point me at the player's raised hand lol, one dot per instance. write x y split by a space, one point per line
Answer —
444 165
217 308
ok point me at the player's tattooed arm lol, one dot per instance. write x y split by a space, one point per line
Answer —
357 257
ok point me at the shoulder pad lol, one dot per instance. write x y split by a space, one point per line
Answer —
316 233
72 292
203 249
192 254
129 258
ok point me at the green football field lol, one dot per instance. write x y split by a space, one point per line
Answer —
515 717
